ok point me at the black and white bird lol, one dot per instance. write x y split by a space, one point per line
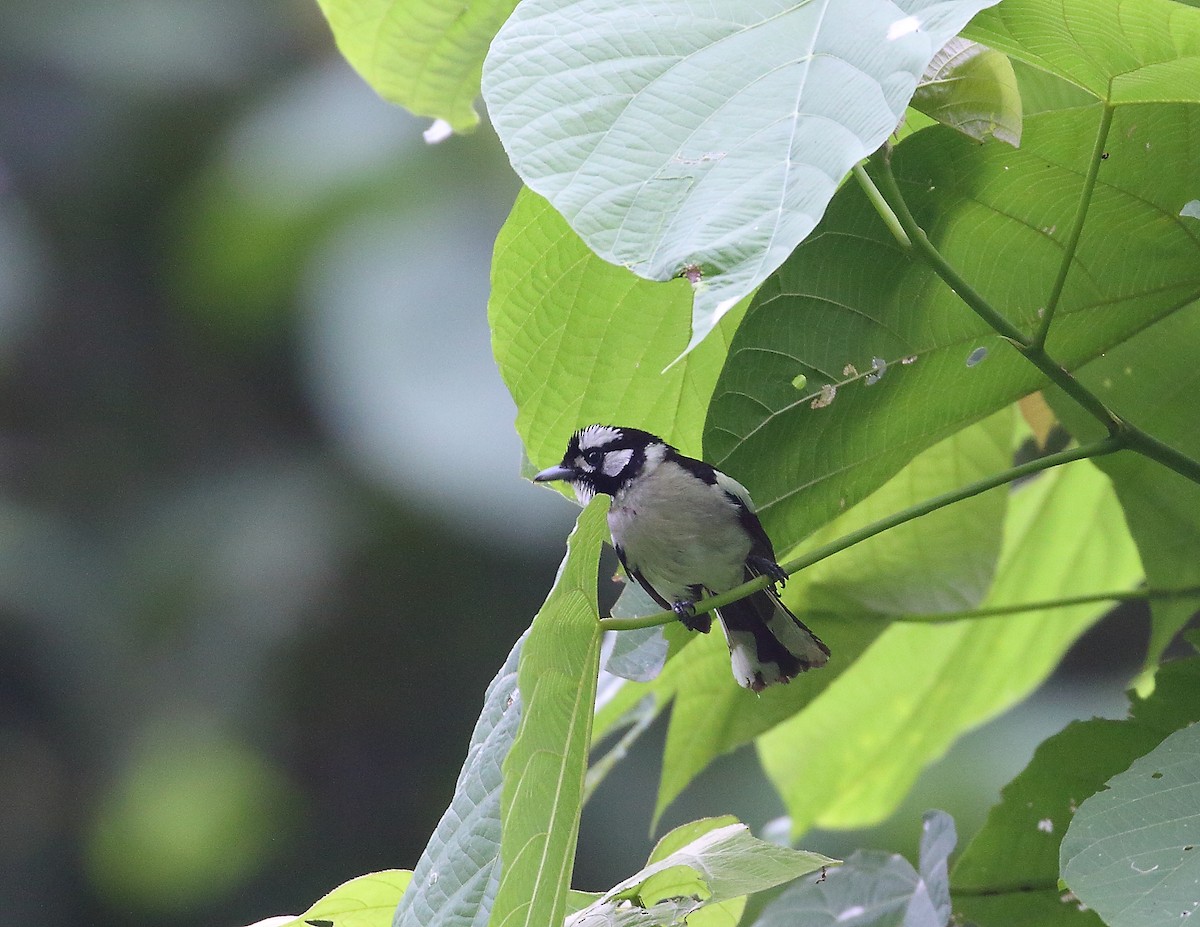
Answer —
684 530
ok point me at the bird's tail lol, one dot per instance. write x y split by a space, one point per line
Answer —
767 643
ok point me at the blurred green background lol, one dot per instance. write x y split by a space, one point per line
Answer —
264 542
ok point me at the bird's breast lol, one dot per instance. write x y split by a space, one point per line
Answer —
679 532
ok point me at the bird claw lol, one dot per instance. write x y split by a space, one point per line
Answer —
770 568
686 613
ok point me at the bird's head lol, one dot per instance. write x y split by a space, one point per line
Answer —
603 459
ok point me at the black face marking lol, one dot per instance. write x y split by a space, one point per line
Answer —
605 458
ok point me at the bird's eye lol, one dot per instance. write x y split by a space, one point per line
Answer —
594 458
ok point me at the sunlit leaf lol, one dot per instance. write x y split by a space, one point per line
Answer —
972 89
851 756
1122 51
426 55
955 552
716 865
545 767
850 294
579 341
368 901
625 117
455 880
1146 381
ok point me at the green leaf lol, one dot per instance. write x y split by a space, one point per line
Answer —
681 836
638 654
1122 51
455 880
1147 381
920 686
875 889
625 117
850 294
426 55
944 561
367 901
1133 851
579 341
544 770
957 549
1045 908
972 89
1009 872
720 864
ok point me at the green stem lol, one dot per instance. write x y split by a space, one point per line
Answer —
1099 448
601 767
919 243
881 206
1129 595
1149 446
1128 435
1072 244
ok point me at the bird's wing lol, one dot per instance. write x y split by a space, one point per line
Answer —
740 497
636 576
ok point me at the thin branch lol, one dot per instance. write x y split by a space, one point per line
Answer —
924 248
1097 449
1128 435
881 206
1128 595
1081 211
603 765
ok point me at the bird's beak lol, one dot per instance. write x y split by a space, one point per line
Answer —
555 473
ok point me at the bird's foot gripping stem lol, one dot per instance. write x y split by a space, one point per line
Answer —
685 611
765 566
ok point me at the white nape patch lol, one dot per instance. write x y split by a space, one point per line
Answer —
595 436
615 461
655 454
903 27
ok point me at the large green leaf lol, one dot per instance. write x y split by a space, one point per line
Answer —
578 340
1133 850
1009 872
365 901
956 548
544 770
1122 51
850 294
944 561
875 889
852 755
718 865
677 134
455 880
426 55
973 89
1149 381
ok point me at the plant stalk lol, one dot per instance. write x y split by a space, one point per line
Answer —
1099 448
1128 595
1128 435
1072 243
